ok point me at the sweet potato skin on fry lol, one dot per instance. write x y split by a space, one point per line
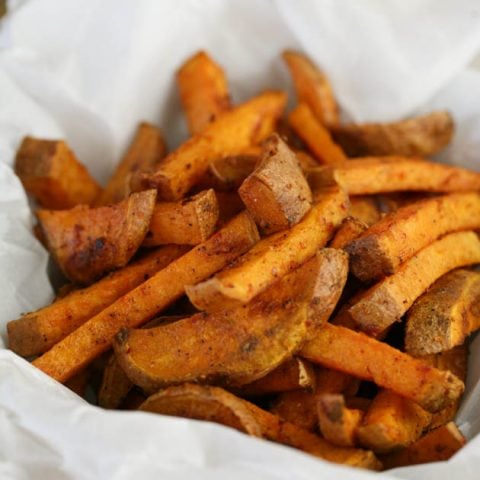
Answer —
445 315
51 173
145 152
276 193
148 299
273 256
242 127
38 331
89 242
394 174
421 136
398 236
312 87
203 91
188 222
356 354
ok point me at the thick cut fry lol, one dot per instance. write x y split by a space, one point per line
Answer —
217 405
88 242
230 347
276 193
203 91
398 236
365 209
315 135
272 257
388 300
294 374
244 126
392 422
312 87
51 173
437 445
144 302
421 136
188 222
350 229
445 315
393 174
145 152
337 423
38 331
356 354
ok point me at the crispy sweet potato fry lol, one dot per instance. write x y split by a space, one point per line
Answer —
215 404
398 236
356 354
365 209
276 193
387 301
90 242
445 315
145 152
203 91
272 257
188 222
243 127
337 423
394 174
294 374
312 87
392 422
420 136
350 229
255 338
148 299
51 173
437 445
315 135
38 331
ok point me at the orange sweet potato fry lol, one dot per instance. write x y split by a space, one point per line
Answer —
242 127
188 222
148 299
354 353
51 173
145 152
350 229
88 242
203 91
297 407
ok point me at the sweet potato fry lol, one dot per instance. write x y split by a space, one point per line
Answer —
276 193
350 229
297 407
393 174
315 135
365 209
79 383
306 160
437 445
312 87
51 173
244 126
392 422
145 152
420 136
337 423
203 91
398 236
445 315
272 257
215 404
148 299
229 205
255 338
88 242
294 374
188 222
356 354
388 300
38 331
115 385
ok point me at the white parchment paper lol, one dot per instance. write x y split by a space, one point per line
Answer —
89 71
